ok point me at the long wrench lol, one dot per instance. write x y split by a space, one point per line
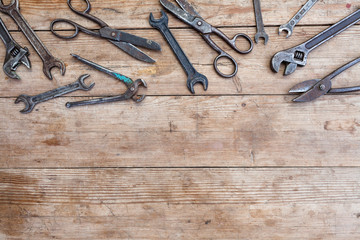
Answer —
49 60
259 23
289 27
15 54
298 55
194 77
32 101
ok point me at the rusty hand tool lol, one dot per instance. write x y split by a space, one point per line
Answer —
313 89
15 54
194 77
259 23
131 93
289 27
32 101
298 55
190 16
49 61
120 39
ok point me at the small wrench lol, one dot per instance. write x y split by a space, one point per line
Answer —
259 23
193 76
289 27
15 54
298 55
32 101
49 61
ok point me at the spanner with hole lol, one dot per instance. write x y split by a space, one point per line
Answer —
15 54
259 23
289 27
49 60
297 56
32 101
194 77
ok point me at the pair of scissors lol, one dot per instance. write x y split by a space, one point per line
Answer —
122 40
313 89
190 16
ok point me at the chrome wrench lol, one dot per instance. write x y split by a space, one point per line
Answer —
289 27
32 101
15 54
297 56
49 60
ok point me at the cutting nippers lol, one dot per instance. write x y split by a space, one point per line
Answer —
313 89
191 17
122 40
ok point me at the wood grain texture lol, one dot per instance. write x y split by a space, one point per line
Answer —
180 203
239 161
183 131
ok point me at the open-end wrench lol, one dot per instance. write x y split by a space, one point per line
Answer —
259 23
32 101
298 55
289 27
49 61
194 77
15 54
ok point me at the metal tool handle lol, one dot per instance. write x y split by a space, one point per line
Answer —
86 13
76 27
333 31
40 48
258 16
123 97
4 34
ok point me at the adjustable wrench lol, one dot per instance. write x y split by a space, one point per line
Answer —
289 27
32 101
298 55
49 61
15 54
193 76
259 23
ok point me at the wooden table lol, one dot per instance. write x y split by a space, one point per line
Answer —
240 161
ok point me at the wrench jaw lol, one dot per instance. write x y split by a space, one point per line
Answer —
50 64
13 58
262 35
156 23
29 104
291 58
138 83
82 84
11 6
287 29
195 79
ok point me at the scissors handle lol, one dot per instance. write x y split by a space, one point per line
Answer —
232 42
77 29
86 13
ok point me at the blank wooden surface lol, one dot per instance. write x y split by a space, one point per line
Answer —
240 161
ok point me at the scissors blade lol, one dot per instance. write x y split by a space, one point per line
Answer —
304 86
186 6
178 12
319 89
133 51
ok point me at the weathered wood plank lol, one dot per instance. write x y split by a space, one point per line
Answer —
180 203
135 14
178 221
166 77
183 131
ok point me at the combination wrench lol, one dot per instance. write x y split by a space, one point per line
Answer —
289 27
15 54
298 55
49 61
194 77
259 23
32 101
